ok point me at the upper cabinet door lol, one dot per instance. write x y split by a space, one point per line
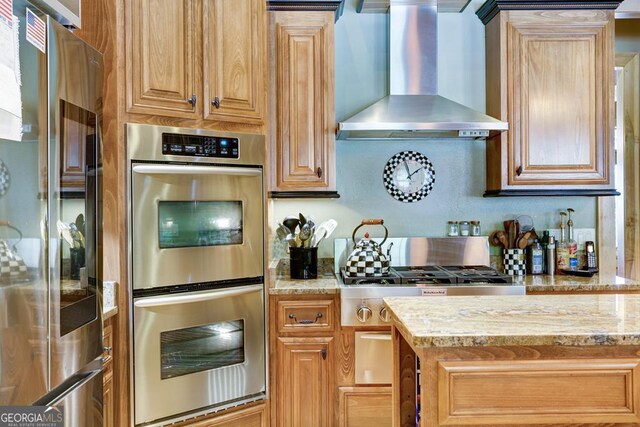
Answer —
304 92
550 74
161 57
561 121
233 50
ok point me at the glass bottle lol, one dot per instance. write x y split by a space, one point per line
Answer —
465 228
452 229
562 249
534 258
545 243
475 228
572 245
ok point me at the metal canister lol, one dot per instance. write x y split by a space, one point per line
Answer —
551 256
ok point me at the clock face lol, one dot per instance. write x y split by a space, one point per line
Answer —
409 176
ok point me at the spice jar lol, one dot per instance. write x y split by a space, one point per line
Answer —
452 228
465 228
475 228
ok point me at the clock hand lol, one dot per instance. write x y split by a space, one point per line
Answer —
415 171
406 166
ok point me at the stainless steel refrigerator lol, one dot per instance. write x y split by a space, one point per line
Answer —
50 216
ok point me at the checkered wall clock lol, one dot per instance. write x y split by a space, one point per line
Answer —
409 176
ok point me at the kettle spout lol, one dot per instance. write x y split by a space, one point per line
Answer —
389 252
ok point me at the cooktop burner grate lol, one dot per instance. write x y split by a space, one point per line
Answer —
433 274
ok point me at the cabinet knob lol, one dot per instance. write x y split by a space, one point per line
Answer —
319 172
107 348
216 103
192 100
519 171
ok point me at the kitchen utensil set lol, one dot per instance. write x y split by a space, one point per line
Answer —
307 235
518 233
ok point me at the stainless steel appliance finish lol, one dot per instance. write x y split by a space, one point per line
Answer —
413 110
373 357
415 272
196 270
194 181
419 251
190 352
51 320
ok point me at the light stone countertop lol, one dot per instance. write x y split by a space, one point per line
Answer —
109 306
281 282
566 283
531 320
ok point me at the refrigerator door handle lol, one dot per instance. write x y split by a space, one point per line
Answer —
73 383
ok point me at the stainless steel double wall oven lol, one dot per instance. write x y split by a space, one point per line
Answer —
197 270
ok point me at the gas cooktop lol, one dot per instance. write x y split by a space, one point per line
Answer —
433 275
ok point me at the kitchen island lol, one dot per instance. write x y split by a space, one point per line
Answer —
517 360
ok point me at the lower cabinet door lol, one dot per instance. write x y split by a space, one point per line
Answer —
304 382
364 407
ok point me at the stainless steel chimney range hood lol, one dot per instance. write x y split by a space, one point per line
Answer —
414 110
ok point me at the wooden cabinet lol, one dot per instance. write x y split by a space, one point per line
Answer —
251 415
305 390
161 57
302 382
302 121
108 402
364 406
550 74
196 59
233 58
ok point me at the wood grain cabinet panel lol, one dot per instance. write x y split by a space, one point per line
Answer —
304 382
161 57
304 93
252 416
108 401
233 60
305 316
364 406
550 75
197 59
498 392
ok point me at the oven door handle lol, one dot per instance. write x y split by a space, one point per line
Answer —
384 336
195 170
199 297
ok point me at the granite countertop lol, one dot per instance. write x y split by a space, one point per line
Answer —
281 282
531 320
109 306
565 283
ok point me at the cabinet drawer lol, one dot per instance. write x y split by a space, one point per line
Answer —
305 316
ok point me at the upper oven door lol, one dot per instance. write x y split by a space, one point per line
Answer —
194 224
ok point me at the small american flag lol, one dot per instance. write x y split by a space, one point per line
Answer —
36 31
6 13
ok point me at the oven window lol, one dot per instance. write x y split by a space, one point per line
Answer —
199 223
200 348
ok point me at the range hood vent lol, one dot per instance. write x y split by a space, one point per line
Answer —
414 110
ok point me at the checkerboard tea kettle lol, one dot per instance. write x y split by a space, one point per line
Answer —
367 258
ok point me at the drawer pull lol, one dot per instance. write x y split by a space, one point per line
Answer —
305 321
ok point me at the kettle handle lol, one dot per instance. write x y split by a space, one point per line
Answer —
378 221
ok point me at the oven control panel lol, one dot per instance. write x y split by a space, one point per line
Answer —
200 146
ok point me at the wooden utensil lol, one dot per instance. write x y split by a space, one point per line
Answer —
512 235
523 240
494 240
503 238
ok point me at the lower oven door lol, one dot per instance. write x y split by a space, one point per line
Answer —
196 350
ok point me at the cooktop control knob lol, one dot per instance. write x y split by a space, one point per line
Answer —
363 314
384 315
